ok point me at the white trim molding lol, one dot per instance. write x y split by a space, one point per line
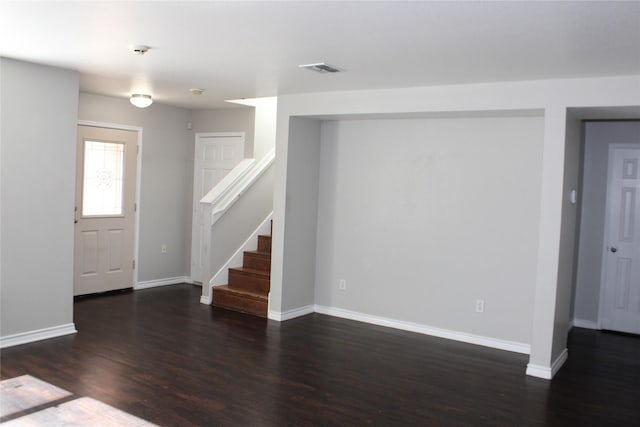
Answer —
545 372
162 282
108 125
516 347
291 314
235 184
37 335
587 324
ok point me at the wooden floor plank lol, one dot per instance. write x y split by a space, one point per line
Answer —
160 355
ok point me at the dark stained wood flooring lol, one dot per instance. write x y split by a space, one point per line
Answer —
161 355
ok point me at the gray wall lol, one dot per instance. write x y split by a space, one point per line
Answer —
422 217
39 107
166 181
299 260
568 236
237 224
598 137
237 119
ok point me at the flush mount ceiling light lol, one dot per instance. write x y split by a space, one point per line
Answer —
141 100
321 67
195 91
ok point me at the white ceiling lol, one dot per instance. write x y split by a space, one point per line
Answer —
252 49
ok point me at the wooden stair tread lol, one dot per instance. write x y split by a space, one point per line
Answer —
259 253
251 272
243 292
251 302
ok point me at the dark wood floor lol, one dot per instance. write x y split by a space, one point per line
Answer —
161 355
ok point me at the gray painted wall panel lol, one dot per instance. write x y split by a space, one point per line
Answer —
568 237
39 110
422 217
299 260
239 119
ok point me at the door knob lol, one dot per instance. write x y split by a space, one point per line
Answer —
614 249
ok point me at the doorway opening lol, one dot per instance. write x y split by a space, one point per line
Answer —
607 285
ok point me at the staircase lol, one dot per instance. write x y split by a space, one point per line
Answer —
248 288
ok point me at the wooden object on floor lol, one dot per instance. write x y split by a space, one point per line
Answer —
249 285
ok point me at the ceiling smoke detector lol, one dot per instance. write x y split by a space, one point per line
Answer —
195 91
321 67
139 49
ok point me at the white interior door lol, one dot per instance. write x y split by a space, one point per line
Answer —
620 299
216 154
105 209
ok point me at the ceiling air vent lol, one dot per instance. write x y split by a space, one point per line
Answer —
321 67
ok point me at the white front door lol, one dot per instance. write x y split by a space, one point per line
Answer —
620 299
216 154
105 209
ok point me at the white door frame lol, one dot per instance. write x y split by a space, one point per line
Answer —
136 237
607 232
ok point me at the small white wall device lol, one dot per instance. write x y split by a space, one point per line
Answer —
573 197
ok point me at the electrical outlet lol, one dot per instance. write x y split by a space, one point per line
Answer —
479 306
343 285
163 249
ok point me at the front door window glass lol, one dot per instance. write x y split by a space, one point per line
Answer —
103 178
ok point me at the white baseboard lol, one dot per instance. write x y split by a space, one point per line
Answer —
560 360
37 335
545 372
162 282
206 299
539 371
513 346
290 314
587 324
